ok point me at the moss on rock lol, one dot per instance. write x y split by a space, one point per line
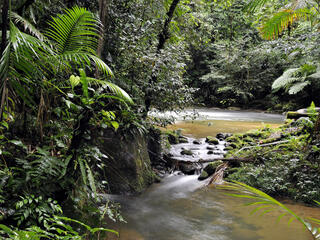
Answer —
212 140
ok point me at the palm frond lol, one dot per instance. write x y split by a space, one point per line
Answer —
117 91
73 30
280 21
81 58
262 200
27 26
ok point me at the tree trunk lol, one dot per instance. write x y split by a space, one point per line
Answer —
162 37
164 34
103 9
4 29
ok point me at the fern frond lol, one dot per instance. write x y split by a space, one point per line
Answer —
286 78
315 75
82 163
92 183
297 87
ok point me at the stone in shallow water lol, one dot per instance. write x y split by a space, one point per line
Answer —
188 169
210 152
183 139
211 148
196 141
211 167
186 152
212 140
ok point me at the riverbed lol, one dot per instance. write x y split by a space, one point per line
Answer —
183 208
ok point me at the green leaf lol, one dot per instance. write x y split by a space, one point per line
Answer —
84 82
115 125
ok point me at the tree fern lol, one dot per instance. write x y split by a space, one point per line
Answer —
295 80
285 79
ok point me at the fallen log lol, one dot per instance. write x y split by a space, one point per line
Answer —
216 159
262 145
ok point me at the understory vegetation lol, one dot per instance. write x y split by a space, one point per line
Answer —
283 162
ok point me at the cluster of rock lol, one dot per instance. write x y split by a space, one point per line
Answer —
191 156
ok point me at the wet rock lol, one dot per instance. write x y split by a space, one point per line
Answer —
218 153
212 140
186 152
196 141
228 148
210 152
210 148
173 138
211 167
223 135
304 123
204 175
182 139
233 139
233 145
187 168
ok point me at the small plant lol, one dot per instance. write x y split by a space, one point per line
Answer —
56 229
33 210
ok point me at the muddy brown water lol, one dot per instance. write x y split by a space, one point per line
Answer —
182 208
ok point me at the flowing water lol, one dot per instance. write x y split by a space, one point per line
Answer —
182 208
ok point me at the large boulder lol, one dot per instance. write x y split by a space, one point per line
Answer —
128 167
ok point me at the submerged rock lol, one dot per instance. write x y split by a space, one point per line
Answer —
211 148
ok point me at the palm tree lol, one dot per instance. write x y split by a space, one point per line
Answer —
33 63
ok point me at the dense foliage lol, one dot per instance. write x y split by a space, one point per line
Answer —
71 69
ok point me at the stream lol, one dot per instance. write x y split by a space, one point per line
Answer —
183 208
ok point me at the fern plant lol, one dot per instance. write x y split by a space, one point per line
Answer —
294 80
